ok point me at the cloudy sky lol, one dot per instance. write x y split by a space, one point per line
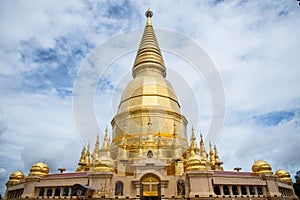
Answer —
254 45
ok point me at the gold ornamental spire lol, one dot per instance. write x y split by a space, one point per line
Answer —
87 158
82 163
193 144
149 14
106 140
216 154
175 145
149 60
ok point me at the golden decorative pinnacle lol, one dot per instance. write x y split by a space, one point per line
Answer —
149 59
149 14
193 134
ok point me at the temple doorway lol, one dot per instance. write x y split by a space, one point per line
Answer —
150 187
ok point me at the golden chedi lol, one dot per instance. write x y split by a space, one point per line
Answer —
262 167
39 169
16 177
283 175
148 96
105 165
195 162
102 161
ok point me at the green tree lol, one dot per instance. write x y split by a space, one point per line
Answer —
297 184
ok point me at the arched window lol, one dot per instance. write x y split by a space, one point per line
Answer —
42 192
150 154
235 190
57 191
119 188
217 190
180 188
49 192
243 190
226 190
66 191
150 186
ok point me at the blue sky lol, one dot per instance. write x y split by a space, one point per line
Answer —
254 45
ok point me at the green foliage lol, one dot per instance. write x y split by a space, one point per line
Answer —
297 184
297 177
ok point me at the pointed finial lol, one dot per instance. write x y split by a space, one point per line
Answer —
149 14
216 154
82 158
97 141
88 147
216 151
149 59
193 134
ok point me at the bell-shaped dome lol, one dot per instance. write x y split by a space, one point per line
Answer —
104 164
39 169
262 167
149 91
16 176
283 175
195 163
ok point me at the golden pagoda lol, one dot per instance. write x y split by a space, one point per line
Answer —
149 156
148 97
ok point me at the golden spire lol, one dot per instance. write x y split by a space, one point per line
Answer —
216 154
212 157
149 59
95 154
87 158
203 153
82 158
202 147
97 142
82 163
218 163
106 140
193 141
102 160
149 14
201 140
175 145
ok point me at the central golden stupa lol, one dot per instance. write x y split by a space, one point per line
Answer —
149 107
